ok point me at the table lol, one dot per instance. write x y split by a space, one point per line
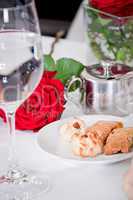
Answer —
90 182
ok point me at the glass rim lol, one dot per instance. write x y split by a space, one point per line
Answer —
18 7
87 6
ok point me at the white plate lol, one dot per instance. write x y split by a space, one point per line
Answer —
49 140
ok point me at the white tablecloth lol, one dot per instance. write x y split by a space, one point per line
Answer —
90 182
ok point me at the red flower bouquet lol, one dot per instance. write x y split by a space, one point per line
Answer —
44 106
121 8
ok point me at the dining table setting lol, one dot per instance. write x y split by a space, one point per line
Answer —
67 179
66 107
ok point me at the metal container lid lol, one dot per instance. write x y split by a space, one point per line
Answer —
107 71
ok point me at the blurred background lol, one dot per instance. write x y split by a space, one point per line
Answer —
57 15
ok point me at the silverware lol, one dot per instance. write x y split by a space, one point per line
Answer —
101 85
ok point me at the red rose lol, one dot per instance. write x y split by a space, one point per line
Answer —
121 8
45 105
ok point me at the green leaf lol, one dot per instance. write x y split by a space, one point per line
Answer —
96 26
49 63
66 68
64 77
97 50
104 22
91 13
121 55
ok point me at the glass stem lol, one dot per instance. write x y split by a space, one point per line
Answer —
12 152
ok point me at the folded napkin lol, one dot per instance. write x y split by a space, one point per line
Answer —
44 106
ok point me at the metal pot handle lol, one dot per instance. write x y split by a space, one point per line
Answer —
70 83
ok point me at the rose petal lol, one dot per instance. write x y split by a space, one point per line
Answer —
44 106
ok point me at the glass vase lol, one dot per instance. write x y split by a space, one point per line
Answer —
108 37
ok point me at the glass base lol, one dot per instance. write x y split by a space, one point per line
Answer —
18 185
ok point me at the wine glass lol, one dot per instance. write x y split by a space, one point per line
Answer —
21 69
